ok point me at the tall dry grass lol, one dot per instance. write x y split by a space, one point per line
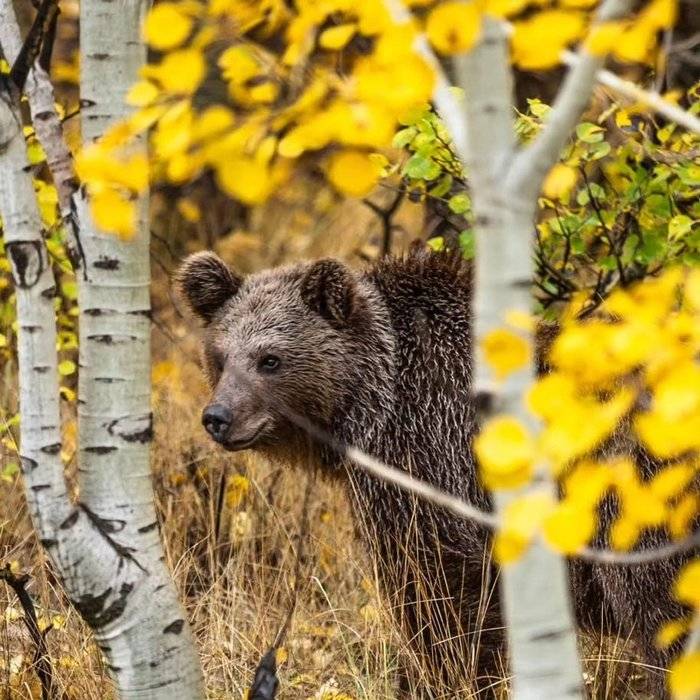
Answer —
233 543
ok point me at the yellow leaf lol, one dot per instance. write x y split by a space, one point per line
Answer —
570 527
113 213
683 514
353 172
635 44
236 489
336 38
166 26
35 152
180 72
603 37
624 534
670 632
281 655
454 27
67 394
538 42
559 181
505 8
670 481
142 93
685 677
661 14
190 210
239 64
522 519
244 179
505 352
687 586
66 368
212 122
622 118
506 453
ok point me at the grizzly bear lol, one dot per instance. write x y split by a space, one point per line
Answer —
306 359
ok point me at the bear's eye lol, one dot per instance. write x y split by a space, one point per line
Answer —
269 363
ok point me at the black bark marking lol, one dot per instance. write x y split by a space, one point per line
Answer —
175 627
104 262
52 449
47 542
141 312
100 449
549 636
159 588
99 56
109 380
29 327
28 464
43 116
92 607
87 103
108 527
40 487
26 261
114 669
49 292
41 369
148 528
139 429
71 520
111 338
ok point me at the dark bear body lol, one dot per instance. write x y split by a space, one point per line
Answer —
381 360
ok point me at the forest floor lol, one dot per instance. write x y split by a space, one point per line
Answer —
231 525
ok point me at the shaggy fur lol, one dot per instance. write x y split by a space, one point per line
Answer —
381 361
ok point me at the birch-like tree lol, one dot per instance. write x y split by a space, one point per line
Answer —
105 547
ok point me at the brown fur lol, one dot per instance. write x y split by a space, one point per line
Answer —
381 360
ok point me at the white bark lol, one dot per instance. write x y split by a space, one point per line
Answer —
47 125
151 647
105 548
535 590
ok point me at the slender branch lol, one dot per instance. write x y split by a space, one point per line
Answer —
638 94
41 654
533 162
447 105
47 123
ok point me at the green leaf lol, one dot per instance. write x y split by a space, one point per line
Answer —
678 226
589 132
437 244
443 186
459 203
467 243
403 137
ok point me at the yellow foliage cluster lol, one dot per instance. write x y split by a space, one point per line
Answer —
626 378
244 89
629 375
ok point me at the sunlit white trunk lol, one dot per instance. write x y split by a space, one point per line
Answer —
505 182
150 645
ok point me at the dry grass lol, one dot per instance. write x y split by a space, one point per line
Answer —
235 564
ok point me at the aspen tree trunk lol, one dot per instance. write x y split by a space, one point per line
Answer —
105 548
47 125
505 182
151 647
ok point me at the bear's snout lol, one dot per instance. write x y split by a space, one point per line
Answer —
217 420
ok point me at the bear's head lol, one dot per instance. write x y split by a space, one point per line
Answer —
279 347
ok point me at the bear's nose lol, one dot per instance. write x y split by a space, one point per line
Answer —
217 420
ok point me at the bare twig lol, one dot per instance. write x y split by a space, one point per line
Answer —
42 662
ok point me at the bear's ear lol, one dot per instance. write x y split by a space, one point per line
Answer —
328 287
206 283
